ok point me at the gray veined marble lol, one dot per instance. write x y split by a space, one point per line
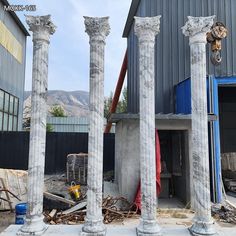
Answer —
196 29
42 27
97 29
146 29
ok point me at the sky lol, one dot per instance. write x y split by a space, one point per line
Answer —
69 46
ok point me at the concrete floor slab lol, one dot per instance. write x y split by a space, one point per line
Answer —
72 230
115 230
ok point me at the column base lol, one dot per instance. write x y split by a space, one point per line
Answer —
148 227
202 228
93 228
34 226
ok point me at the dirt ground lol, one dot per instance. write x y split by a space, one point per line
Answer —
6 218
166 218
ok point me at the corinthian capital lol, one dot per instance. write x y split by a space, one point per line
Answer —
196 25
97 27
146 28
41 26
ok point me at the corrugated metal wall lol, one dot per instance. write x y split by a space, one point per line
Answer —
172 52
72 124
183 97
12 73
58 146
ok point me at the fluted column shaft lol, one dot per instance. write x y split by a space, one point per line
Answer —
42 27
146 29
97 29
196 28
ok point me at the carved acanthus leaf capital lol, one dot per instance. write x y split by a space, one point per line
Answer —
196 25
147 27
97 27
40 23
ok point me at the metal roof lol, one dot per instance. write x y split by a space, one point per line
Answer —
129 22
16 18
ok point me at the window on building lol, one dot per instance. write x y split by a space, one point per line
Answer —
9 106
1 99
1 120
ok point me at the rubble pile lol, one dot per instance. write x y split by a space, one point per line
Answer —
113 208
224 213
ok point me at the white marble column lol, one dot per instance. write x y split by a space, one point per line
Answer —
146 30
196 29
97 29
42 27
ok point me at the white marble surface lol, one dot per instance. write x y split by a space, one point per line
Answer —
42 28
146 29
97 29
196 28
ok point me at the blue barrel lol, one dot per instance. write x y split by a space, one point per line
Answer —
20 209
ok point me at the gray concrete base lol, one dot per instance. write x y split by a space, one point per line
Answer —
147 234
117 230
93 234
112 230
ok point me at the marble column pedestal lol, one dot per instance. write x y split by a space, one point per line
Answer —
146 29
97 29
42 27
196 29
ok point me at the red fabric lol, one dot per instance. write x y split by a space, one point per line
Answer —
137 200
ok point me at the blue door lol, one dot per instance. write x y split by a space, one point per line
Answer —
216 82
214 141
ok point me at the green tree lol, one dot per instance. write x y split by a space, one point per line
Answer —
121 106
57 111
49 128
107 105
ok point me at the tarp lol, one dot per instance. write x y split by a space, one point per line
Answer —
137 200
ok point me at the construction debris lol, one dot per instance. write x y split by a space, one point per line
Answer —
230 184
114 209
77 207
8 193
13 188
77 168
58 198
224 213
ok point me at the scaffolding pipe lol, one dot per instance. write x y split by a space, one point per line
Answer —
116 96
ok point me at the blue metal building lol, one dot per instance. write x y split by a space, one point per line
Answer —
172 65
12 69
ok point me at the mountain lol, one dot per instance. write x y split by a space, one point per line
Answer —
75 103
